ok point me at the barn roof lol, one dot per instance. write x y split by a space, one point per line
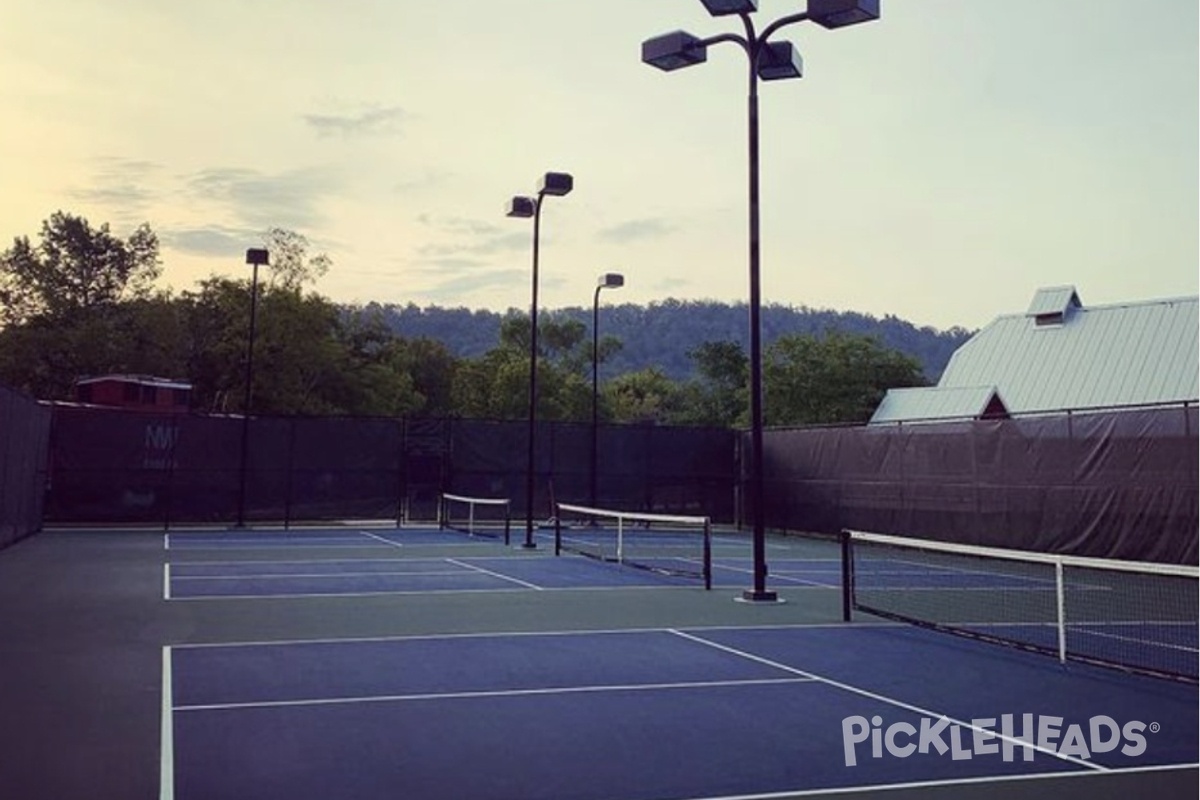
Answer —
1060 354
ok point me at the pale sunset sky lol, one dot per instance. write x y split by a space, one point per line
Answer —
939 164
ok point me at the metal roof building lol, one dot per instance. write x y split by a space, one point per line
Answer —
1060 355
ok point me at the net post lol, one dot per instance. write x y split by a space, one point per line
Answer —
507 523
558 531
847 576
442 512
620 539
707 553
1060 597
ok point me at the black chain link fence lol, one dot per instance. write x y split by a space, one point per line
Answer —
24 433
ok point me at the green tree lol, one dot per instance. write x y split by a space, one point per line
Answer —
496 385
290 265
645 396
719 395
835 378
73 267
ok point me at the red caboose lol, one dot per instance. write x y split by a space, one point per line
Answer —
141 392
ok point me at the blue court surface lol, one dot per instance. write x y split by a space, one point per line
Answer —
386 560
654 714
296 578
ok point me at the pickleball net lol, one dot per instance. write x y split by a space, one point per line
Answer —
1140 617
475 516
668 544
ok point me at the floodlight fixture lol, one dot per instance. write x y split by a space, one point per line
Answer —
840 13
674 50
611 280
555 183
720 8
520 207
779 61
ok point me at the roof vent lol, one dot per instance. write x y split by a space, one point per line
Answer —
1051 306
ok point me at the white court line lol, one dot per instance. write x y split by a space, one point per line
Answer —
982 779
885 699
167 581
775 576
275 575
1079 629
499 575
269 544
558 690
424 637
377 537
166 774
167 541
257 561
440 592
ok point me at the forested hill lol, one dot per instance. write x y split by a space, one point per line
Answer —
661 334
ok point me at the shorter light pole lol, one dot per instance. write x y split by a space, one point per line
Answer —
609 280
254 257
553 184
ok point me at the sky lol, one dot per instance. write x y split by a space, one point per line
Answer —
939 164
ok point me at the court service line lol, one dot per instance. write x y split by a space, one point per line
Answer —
424 637
1085 631
380 538
267 576
499 575
167 581
885 699
258 561
778 576
432 592
166 773
556 690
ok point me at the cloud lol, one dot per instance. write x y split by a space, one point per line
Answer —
423 181
212 240
463 236
458 225
454 288
636 229
369 122
122 184
260 201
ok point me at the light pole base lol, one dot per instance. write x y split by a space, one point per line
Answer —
751 596
528 545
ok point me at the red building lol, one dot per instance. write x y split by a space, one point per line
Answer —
141 392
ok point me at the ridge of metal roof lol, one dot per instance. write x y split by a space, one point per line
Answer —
1108 355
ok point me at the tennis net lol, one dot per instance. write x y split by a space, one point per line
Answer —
664 543
1140 617
475 516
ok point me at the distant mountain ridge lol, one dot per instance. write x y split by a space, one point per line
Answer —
662 333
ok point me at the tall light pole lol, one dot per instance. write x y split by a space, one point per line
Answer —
254 257
767 61
610 280
554 184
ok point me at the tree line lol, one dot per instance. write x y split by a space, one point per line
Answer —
663 333
80 301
